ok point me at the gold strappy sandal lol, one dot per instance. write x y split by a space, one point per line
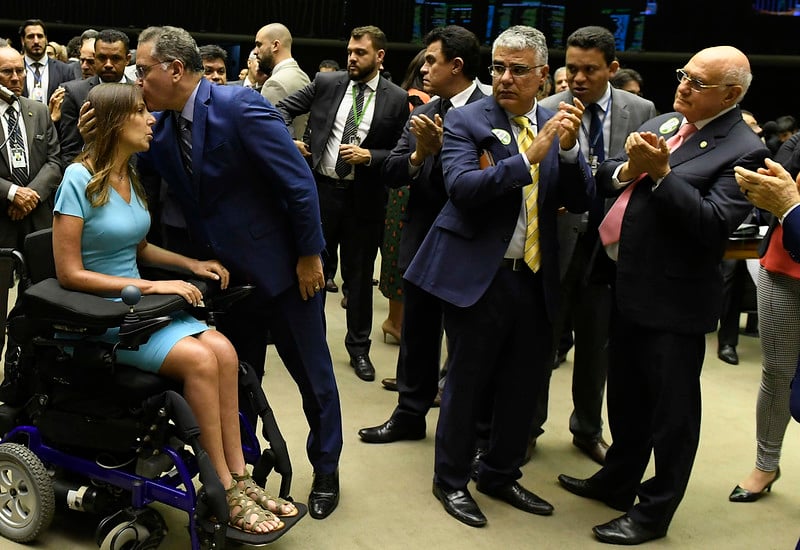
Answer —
263 498
248 508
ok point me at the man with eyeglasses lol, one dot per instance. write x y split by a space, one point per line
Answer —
30 169
111 56
249 199
610 116
667 231
491 256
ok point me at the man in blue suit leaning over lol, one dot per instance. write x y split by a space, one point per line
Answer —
249 200
492 258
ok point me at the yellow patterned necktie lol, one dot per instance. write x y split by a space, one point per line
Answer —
531 193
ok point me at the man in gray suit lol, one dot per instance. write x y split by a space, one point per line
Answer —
610 115
274 50
111 56
29 165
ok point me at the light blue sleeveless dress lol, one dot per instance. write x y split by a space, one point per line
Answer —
110 236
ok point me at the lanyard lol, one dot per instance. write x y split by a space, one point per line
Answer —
358 117
593 144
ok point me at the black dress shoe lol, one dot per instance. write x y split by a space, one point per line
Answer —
593 448
394 429
475 463
363 367
729 355
324 495
460 505
330 286
624 530
587 489
389 384
519 497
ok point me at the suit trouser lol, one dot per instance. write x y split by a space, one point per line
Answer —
419 359
298 332
733 273
586 306
499 351
654 406
359 236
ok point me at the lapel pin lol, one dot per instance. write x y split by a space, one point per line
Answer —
502 135
669 126
703 144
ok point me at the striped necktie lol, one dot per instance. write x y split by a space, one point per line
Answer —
531 193
19 170
185 142
343 168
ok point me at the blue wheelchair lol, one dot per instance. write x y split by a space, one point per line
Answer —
83 431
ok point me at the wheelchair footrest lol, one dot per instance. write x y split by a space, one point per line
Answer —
258 539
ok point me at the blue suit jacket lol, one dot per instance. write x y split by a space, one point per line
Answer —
673 237
252 200
465 247
426 191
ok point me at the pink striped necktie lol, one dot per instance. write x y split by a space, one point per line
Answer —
611 226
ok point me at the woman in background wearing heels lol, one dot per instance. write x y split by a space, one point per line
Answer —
779 320
391 283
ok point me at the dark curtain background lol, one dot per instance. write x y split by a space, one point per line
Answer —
321 27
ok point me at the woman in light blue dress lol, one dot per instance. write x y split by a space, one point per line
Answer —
99 227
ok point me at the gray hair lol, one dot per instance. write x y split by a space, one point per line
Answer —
171 43
741 76
521 37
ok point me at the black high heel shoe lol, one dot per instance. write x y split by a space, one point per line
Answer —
743 495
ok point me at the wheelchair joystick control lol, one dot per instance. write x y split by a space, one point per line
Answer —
131 295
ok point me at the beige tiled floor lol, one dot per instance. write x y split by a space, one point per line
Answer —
386 500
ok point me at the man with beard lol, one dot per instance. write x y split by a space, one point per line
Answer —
43 75
274 51
111 56
356 118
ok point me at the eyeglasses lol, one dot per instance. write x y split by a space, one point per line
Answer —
8 73
517 71
694 83
143 70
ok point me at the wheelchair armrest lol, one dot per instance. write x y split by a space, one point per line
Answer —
134 334
221 300
49 301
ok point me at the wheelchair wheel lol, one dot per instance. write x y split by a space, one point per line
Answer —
129 529
125 536
27 500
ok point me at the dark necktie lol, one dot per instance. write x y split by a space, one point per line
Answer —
350 130
597 154
596 143
19 174
185 135
37 73
444 106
